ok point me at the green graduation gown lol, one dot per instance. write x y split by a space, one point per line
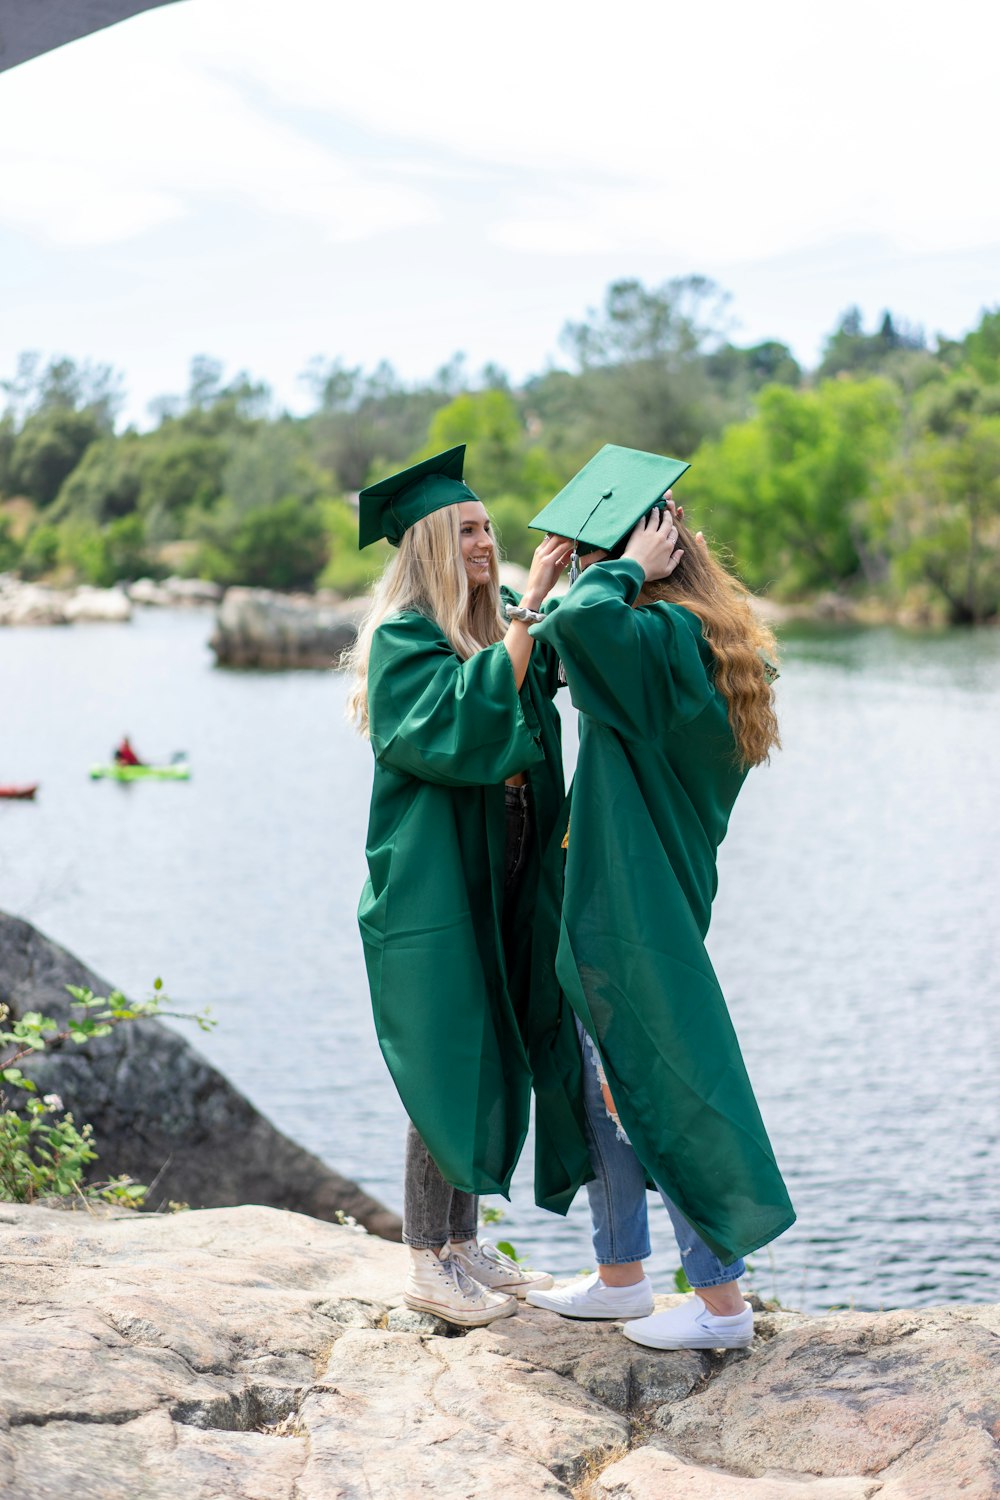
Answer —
656 780
464 1038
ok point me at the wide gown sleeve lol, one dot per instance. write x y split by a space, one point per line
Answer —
636 670
454 723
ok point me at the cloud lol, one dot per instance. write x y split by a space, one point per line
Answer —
705 132
100 154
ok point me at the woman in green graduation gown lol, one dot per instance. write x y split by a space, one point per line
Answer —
669 667
457 702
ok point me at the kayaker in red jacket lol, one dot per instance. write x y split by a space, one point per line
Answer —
125 755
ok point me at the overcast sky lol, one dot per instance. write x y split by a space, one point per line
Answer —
265 183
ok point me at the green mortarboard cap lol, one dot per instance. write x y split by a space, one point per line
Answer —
390 507
609 495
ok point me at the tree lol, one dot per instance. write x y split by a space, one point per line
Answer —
48 448
745 371
10 552
63 385
503 461
981 347
643 370
672 323
366 422
107 482
785 490
852 351
268 463
282 546
938 514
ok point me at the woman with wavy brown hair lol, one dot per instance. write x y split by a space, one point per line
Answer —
670 669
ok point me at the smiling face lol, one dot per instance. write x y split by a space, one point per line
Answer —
476 537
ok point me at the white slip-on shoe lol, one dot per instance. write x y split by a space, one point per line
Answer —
492 1268
441 1287
692 1326
588 1297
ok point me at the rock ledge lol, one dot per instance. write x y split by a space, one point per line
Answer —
258 1354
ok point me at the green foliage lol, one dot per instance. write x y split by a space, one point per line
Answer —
876 478
366 422
510 517
671 323
502 460
125 548
83 551
645 363
42 1154
40 552
681 1283
852 351
785 490
981 348
180 469
106 483
267 465
937 514
46 451
282 546
10 552
348 571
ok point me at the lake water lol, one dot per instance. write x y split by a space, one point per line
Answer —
855 932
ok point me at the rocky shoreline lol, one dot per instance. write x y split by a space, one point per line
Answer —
23 603
160 1112
255 1354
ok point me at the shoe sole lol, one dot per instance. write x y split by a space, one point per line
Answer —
467 1320
521 1292
706 1343
589 1317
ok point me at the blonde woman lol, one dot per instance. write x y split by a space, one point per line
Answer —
669 667
456 699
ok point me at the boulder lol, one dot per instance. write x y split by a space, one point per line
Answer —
258 628
98 605
31 604
193 591
174 592
160 1111
147 591
261 1355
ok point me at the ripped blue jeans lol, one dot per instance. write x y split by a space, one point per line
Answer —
618 1195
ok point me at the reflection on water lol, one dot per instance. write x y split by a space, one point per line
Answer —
855 932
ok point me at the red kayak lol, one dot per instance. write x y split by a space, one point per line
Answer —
19 791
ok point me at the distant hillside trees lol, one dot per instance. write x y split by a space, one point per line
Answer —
876 473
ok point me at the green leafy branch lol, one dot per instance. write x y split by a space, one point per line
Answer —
42 1154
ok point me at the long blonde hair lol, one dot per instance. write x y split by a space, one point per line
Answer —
427 574
737 638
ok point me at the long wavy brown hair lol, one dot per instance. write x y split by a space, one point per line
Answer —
740 641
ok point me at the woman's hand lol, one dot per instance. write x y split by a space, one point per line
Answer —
551 557
653 545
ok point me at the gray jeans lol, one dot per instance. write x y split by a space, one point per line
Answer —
434 1211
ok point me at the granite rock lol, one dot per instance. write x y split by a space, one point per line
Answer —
161 1113
255 1354
258 628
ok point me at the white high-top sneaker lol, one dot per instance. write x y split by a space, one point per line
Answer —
442 1287
492 1268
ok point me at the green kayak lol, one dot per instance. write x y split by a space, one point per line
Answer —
179 772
